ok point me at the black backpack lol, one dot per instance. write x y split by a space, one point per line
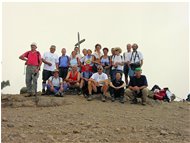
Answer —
188 97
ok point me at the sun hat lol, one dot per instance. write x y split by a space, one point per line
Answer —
118 49
34 44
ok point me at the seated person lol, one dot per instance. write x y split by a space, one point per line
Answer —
98 83
138 87
73 78
117 88
55 84
85 75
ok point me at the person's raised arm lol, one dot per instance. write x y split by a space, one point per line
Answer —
23 56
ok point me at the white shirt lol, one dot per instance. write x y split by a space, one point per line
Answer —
79 56
117 59
97 56
99 77
135 57
126 56
56 81
52 58
87 60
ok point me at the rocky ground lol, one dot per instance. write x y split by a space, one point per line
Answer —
73 119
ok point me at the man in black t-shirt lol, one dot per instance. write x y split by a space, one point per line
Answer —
117 88
138 87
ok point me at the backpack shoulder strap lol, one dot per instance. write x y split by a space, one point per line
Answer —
27 53
109 57
59 60
124 56
67 57
52 78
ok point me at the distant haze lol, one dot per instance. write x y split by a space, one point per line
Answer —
160 30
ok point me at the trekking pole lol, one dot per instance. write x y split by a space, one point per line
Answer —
24 69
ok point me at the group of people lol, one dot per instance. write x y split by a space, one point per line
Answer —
89 73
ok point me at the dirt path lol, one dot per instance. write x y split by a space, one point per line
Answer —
78 120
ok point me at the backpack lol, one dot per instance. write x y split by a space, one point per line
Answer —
161 95
60 59
188 98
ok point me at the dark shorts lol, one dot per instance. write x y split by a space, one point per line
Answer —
63 72
117 93
126 70
99 89
46 75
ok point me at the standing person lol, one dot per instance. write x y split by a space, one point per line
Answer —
50 60
98 83
117 63
135 59
87 60
138 87
125 58
112 52
106 62
117 88
64 63
33 62
84 51
78 55
112 55
74 60
96 57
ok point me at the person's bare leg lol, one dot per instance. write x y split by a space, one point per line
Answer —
90 87
104 89
81 83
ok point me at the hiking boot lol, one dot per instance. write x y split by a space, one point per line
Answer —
89 98
79 91
85 95
57 94
112 98
43 92
144 103
61 94
103 98
121 99
33 94
28 95
134 101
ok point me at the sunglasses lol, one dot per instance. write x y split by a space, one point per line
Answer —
99 69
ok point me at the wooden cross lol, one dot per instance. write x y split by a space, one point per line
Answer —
79 41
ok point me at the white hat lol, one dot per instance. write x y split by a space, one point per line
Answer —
34 44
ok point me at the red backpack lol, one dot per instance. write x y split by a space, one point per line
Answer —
160 95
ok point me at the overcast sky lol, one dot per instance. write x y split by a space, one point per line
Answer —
160 30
